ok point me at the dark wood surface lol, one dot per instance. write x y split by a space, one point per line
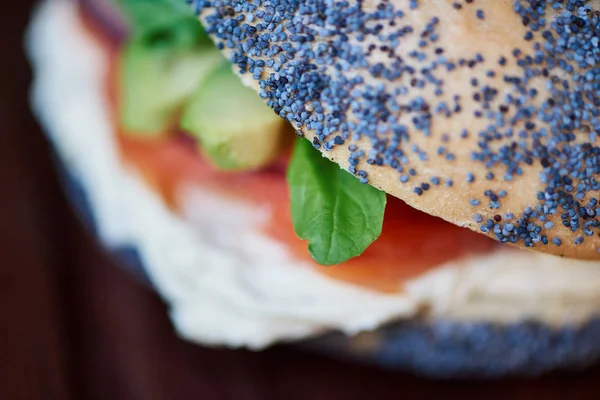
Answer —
74 326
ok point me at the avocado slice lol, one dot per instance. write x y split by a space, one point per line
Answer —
160 69
236 130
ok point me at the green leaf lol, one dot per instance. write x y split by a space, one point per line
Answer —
159 16
338 216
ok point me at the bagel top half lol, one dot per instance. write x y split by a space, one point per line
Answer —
482 112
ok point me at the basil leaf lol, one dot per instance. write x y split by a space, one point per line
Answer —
159 15
338 216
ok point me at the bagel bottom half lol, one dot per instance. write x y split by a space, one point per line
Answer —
227 284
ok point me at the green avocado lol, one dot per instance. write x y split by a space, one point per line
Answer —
236 130
160 69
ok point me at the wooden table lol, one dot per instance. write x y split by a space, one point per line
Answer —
74 326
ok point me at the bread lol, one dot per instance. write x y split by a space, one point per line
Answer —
477 311
461 171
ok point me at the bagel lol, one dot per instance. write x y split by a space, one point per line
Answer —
219 247
484 113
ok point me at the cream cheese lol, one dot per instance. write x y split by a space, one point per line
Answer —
225 282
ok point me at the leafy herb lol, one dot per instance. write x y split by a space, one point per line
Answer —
338 216
152 16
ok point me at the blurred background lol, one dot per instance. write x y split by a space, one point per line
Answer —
74 326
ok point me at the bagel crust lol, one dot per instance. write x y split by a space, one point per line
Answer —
482 112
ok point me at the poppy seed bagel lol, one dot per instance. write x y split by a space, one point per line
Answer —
481 112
